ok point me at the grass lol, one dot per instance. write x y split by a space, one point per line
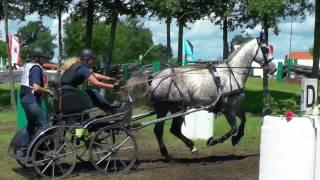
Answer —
249 143
5 96
278 90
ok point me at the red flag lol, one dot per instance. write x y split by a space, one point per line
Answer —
14 49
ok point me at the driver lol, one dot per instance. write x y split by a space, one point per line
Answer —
32 88
76 74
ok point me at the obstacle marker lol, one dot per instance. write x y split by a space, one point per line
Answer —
198 125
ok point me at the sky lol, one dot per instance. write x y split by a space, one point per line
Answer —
205 36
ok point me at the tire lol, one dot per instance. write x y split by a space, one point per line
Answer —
53 156
113 150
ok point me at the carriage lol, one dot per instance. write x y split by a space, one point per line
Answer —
105 139
77 131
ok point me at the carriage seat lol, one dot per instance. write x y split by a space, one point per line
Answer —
72 100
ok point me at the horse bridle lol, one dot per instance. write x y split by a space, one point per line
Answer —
265 51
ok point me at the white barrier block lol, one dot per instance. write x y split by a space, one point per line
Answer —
287 149
188 127
198 125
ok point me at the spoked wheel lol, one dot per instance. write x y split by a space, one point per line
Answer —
82 145
54 156
113 150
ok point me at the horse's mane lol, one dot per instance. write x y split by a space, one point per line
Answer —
233 54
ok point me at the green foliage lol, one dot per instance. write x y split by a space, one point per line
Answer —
48 7
174 62
277 90
268 12
3 50
241 39
131 40
279 107
35 34
226 10
162 8
74 39
15 10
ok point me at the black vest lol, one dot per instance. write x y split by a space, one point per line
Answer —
71 77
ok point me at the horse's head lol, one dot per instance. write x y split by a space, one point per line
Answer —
263 55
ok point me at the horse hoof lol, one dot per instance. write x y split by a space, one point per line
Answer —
194 150
212 141
167 159
235 140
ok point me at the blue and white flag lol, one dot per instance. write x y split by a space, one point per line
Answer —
187 51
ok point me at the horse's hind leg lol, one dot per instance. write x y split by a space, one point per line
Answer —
158 130
232 120
176 130
235 139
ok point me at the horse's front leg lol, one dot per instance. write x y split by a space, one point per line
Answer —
235 139
232 120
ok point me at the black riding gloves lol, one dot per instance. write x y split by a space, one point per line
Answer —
116 87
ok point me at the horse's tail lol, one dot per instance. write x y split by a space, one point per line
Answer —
138 87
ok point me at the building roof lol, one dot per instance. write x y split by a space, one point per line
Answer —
300 55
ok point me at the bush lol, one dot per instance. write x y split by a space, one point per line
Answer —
279 107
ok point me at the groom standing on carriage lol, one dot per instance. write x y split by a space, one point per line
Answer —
32 88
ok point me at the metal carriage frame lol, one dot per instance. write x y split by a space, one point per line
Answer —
108 141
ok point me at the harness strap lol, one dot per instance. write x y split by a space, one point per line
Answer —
237 91
216 78
176 85
234 77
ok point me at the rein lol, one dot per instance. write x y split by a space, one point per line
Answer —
182 72
162 77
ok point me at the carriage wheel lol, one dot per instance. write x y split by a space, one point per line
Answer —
54 156
82 145
113 150
24 166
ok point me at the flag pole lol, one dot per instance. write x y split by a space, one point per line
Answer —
11 80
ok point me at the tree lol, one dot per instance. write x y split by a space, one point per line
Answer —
228 14
316 46
15 9
241 39
163 9
87 8
186 11
35 34
12 9
111 10
131 40
3 50
268 12
51 8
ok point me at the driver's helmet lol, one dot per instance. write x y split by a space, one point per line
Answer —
37 52
87 53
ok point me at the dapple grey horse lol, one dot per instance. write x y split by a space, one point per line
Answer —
176 89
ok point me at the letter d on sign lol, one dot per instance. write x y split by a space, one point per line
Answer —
308 94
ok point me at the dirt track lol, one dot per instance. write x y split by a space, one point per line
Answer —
222 162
